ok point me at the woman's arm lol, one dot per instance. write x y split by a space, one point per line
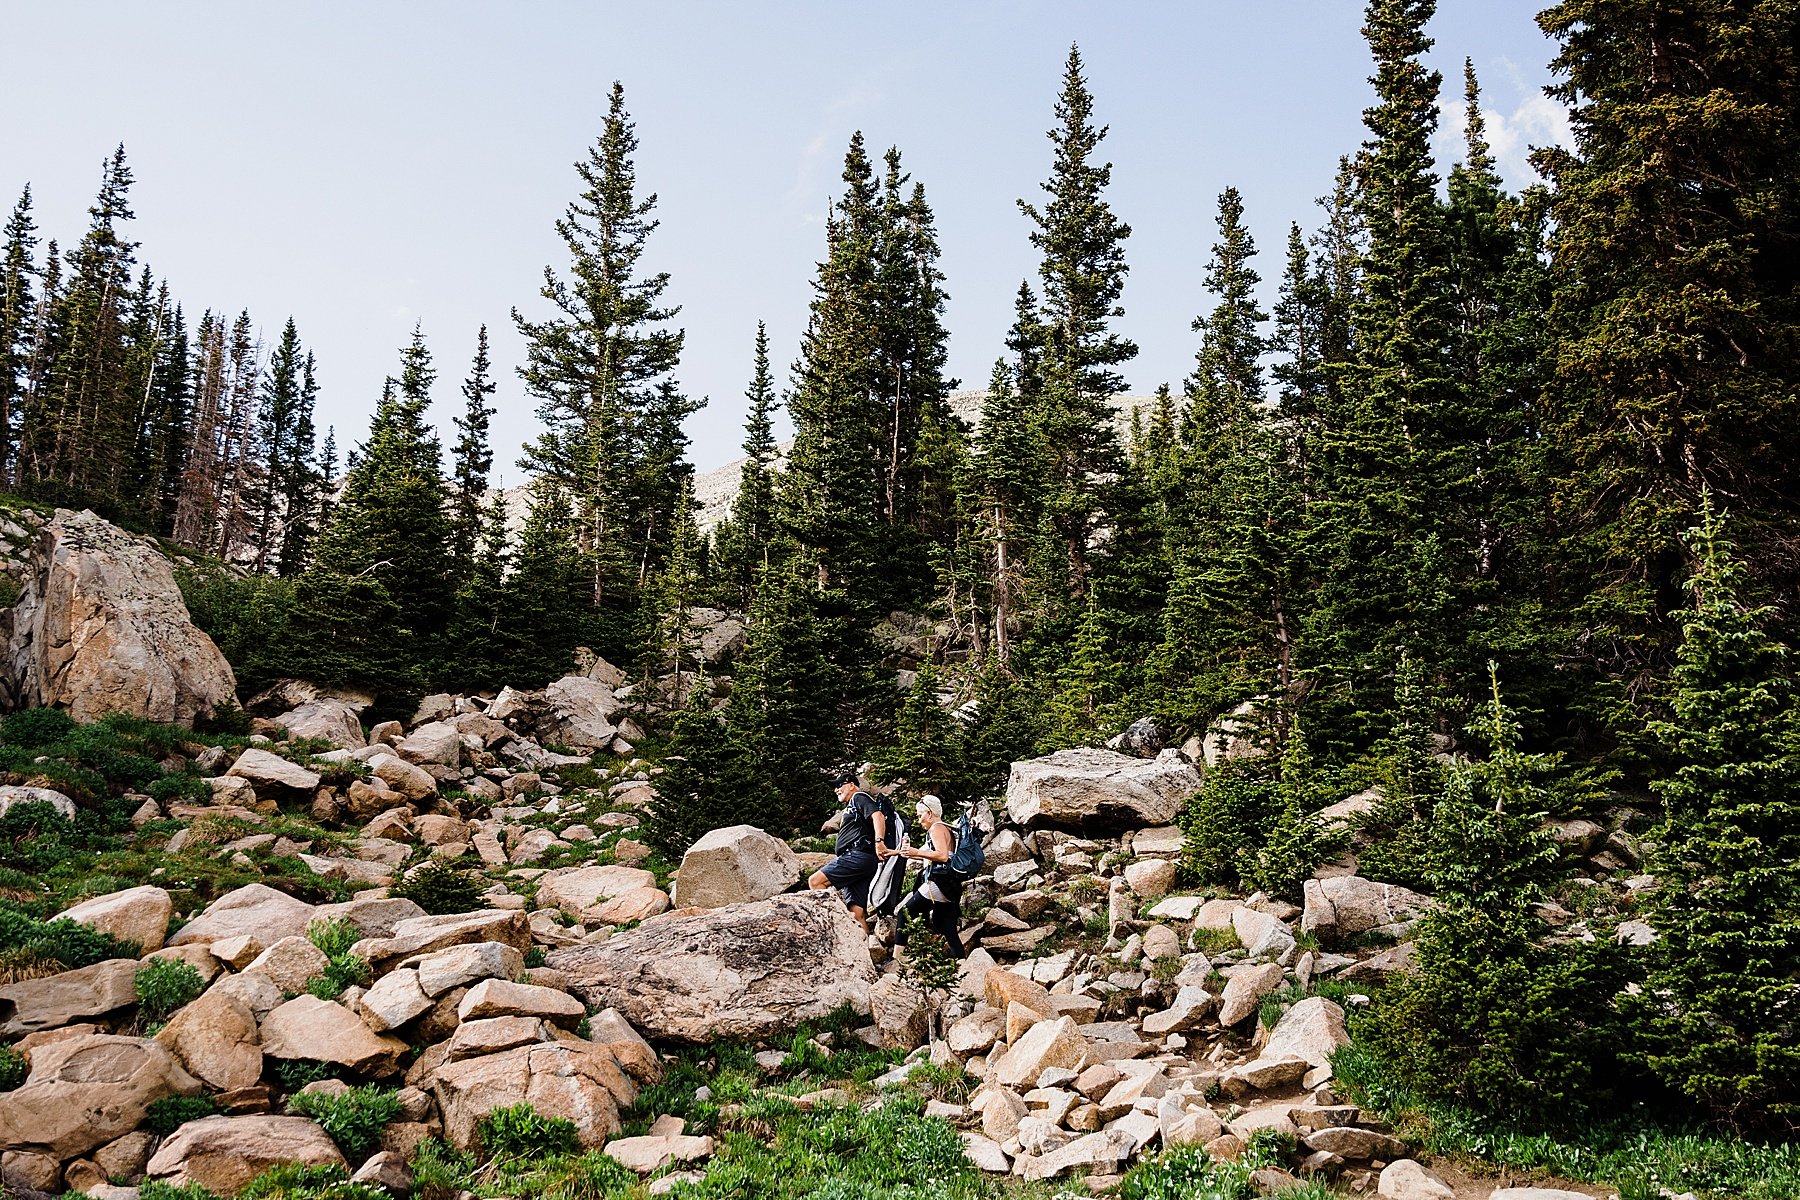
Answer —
942 840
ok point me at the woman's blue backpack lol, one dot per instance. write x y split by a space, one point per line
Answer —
968 858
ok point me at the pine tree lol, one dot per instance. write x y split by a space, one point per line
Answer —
674 590
549 604
277 436
1719 1002
599 364
304 482
1296 842
832 490
710 779
923 753
1087 684
1497 1013
17 309
471 458
483 646
1002 480
1675 309
751 528
374 607
1083 271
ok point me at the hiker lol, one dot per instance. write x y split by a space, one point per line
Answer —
939 891
861 845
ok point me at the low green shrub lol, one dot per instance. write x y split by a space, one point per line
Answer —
295 1181
354 1119
170 1113
520 1131
156 1189
32 728
164 985
441 889
335 938
13 1068
58 943
295 1073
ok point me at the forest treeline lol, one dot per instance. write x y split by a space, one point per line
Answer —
1505 473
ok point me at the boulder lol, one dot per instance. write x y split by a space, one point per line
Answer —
310 1028
1089 787
101 628
12 795
139 914
608 1029
1313 1030
393 1000
504 998
1151 876
748 971
577 712
215 1038
738 864
85 1091
1351 1141
1404 1179
423 935
223 1154
374 917
460 966
649 1154
436 742
411 781
1347 810
1046 1044
577 889
1348 905
901 1012
289 964
1261 935
266 770
639 904
1244 992
578 1082
52 1001
716 635
492 1035
254 910
327 720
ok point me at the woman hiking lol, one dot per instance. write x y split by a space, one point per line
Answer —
861 845
939 892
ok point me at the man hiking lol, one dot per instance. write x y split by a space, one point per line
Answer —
861 845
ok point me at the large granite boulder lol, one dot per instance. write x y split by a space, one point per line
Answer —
223 1154
576 890
316 1030
52 1001
1313 1029
139 914
739 864
85 1091
268 770
1086 787
576 1081
101 628
215 1037
423 935
577 712
327 719
747 971
1348 905
255 910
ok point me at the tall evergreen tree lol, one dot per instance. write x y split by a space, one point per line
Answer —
1676 304
1719 1001
17 310
751 528
304 482
1083 268
598 365
472 458
277 435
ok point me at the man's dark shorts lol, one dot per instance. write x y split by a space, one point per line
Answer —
851 874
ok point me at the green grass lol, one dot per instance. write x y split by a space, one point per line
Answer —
1639 1158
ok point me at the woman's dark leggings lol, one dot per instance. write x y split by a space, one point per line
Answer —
943 919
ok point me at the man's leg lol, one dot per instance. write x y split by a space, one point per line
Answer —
862 917
818 882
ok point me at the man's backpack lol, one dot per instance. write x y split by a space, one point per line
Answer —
886 888
965 862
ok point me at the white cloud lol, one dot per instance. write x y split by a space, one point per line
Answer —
1537 120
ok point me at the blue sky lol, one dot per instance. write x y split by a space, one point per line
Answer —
364 166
